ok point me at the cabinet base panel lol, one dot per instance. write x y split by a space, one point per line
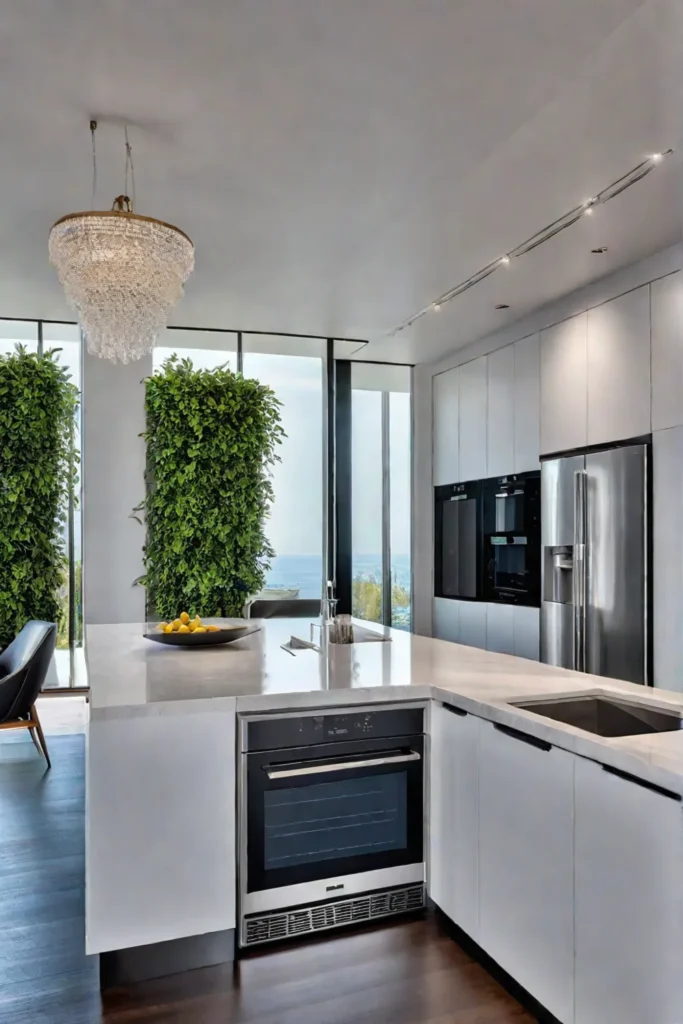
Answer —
504 979
141 963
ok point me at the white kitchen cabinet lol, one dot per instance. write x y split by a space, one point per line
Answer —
446 420
564 385
160 827
501 412
472 616
667 446
526 403
629 901
472 392
526 825
526 631
619 368
453 816
446 621
666 302
500 633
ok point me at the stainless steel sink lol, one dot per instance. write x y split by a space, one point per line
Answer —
361 635
604 716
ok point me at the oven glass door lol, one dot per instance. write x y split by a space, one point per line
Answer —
509 564
459 546
509 517
335 809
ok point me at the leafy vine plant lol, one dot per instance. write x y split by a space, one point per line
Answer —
38 467
212 439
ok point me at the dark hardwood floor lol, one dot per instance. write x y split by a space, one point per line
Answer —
405 973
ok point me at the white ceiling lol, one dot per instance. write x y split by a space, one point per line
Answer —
339 164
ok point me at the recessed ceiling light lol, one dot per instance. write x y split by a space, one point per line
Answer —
599 249
502 305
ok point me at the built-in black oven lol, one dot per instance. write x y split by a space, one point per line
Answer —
512 539
331 819
458 540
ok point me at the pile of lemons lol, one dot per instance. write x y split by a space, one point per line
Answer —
184 624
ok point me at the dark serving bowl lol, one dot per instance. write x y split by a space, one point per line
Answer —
224 635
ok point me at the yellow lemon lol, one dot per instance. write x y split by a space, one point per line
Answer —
176 624
168 628
213 629
201 629
162 626
197 621
184 629
192 625
184 618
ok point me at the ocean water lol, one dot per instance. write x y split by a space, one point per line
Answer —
305 571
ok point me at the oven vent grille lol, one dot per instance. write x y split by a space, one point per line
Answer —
336 914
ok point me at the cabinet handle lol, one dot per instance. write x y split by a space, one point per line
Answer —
524 737
455 711
642 782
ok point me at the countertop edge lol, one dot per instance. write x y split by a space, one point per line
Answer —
611 752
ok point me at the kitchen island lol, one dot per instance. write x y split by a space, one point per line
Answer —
559 852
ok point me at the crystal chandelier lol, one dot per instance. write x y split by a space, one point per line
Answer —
122 273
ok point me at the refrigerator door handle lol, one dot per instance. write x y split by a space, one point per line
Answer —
579 572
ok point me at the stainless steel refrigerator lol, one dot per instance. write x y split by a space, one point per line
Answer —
595 583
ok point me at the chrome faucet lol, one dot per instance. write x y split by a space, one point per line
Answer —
328 608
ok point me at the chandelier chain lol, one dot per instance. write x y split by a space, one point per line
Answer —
93 127
129 167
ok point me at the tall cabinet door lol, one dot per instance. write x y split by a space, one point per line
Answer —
446 421
454 815
527 403
473 624
500 629
629 901
446 622
473 419
501 412
667 450
526 863
619 368
667 351
564 386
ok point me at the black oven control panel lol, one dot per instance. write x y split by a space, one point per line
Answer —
311 730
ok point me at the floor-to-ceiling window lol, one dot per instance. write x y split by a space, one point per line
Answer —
67 669
381 431
294 369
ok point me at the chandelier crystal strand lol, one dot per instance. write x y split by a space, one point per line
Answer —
123 274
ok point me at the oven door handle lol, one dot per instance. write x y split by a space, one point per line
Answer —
341 766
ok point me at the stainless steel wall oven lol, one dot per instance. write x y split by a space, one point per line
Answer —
330 819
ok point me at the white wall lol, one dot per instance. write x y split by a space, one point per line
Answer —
654 268
113 484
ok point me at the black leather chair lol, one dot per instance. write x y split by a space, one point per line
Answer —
23 667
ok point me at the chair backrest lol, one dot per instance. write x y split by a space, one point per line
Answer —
23 668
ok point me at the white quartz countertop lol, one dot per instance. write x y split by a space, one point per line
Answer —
130 676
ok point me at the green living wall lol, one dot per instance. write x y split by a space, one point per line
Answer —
37 463
212 437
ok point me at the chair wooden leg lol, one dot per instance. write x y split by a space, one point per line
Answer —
41 735
36 744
